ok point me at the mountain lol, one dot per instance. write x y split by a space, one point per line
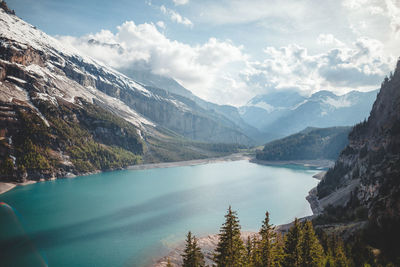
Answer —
311 143
230 113
288 112
62 112
364 184
142 74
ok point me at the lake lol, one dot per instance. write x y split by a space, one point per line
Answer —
131 217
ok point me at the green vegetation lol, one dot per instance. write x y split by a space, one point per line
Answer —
33 157
192 256
292 249
115 131
230 251
166 146
79 138
332 179
86 151
86 137
312 253
7 167
301 246
32 145
265 246
312 143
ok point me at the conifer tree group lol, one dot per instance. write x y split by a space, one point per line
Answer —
192 255
299 247
230 251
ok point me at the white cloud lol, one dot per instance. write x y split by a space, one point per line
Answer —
329 39
210 70
393 12
161 24
355 4
180 2
375 13
175 16
222 72
360 66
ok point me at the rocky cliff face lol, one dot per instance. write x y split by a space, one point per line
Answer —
368 170
23 44
62 112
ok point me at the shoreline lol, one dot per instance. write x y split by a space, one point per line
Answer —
209 242
194 162
7 186
314 163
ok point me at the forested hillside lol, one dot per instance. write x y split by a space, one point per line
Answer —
311 143
364 184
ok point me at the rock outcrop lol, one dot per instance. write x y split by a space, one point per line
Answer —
367 172
62 112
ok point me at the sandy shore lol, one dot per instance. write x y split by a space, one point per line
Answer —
4 187
208 244
316 163
7 186
233 157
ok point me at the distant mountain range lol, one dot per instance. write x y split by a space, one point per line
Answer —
287 112
277 114
227 112
84 116
274 115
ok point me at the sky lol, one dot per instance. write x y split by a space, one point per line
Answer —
228 51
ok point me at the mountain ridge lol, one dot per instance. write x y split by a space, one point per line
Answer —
364 183
84 116
294 112
310 144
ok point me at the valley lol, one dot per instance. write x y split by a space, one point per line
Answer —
110 157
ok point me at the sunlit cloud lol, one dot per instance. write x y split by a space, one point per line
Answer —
180 2
175 16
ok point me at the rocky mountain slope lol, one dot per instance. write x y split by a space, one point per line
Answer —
229 114
365 182
288 112
62 112
311 143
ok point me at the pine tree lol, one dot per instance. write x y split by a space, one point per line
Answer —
198 257
312 252
256 252
187 253
230 250
278 250
266 247
339 255
249 251
292 249
192 256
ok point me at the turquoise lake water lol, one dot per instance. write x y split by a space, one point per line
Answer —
129 217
